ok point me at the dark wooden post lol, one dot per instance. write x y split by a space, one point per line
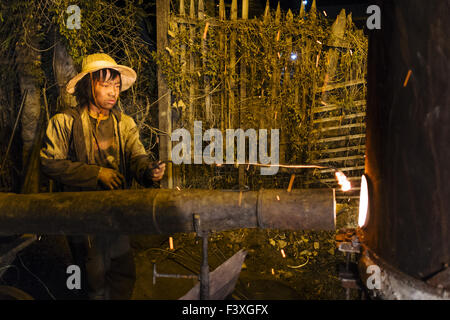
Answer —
408 137
164 109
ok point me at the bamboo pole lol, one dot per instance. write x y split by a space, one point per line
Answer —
263 108
191 69
302 10
208 105
233 114
222 46
243 89
337 34
243 68
178 171
276 72
164 106
183 53
313 11
244 9
182 8
267 12
286 86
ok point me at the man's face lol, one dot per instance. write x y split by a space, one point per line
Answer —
107 91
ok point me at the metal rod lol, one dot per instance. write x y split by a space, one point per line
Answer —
170 275
204 272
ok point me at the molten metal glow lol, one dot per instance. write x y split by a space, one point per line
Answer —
343 181
363 202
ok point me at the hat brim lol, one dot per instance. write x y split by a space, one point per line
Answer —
127 75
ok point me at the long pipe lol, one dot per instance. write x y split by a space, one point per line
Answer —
165 211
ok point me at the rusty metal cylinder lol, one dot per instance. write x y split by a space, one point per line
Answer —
164 211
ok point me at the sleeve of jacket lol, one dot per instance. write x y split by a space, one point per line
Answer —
135 152
55 162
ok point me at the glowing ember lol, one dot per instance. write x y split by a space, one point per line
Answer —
278 197
240 198
407 78
206 30
283 254
343 181
272 271
171 243
291 183
178 188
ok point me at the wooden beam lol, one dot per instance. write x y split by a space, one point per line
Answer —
164 105
346 117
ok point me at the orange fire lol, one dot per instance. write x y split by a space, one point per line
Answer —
343 181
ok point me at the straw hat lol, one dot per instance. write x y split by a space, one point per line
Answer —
98 61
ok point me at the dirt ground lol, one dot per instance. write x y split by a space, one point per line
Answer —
307 271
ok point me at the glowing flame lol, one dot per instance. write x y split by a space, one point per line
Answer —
343 181
363 202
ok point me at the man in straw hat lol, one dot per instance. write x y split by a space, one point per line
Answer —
96 147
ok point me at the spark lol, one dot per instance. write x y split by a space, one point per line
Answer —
278 197
171 243
178 188
272 271
291 183
407 78
206 30
282 253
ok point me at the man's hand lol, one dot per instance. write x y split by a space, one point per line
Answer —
157 171
110 178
